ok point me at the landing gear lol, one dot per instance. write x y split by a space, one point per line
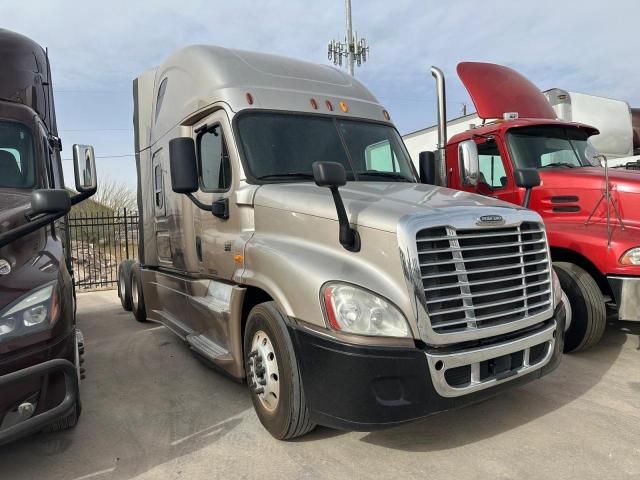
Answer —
273 375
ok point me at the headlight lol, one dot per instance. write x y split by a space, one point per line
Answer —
34 312
631 257
557 289
354 310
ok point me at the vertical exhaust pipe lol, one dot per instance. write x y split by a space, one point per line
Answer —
442 126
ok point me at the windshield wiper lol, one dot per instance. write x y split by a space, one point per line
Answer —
275 176
393 175
558 164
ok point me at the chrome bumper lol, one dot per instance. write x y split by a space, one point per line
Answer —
440 363
626 291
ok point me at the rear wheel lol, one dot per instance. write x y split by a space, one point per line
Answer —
124 283
137 298
588 310
273 375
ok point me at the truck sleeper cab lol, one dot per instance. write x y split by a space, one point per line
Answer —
287 239
594 240
40 344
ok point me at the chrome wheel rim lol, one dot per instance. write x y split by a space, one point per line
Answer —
264 375
134 295
123 287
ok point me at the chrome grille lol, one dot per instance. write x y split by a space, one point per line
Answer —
475 278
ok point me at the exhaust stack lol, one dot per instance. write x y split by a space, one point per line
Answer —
442 126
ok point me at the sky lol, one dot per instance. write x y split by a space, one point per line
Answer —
98 48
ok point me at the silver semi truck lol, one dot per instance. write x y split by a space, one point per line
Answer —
287 238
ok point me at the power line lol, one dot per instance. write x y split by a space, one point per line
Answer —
105 156
96 129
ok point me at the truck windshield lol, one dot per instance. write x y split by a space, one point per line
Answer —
281 148
550 147
16 156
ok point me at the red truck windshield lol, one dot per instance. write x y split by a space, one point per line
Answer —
550 147
281 148
16 156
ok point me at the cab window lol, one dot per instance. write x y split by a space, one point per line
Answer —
213 161
492 171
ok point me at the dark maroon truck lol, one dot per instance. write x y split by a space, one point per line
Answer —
40 345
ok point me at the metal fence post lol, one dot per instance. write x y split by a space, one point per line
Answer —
126 235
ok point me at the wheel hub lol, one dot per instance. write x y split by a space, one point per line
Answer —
264 376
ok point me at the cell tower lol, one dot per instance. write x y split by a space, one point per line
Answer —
353 50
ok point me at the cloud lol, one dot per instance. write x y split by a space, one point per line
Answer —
97 48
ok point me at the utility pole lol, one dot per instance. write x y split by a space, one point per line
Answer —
354 51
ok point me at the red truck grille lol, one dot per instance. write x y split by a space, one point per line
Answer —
484 277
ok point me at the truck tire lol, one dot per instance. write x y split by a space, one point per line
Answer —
137 297
589 313
124 283
273 375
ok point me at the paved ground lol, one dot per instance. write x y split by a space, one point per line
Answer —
153 411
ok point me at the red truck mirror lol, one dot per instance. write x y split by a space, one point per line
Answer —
526 178
469 162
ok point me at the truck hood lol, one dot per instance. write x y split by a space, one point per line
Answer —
581 188
496 89
378 205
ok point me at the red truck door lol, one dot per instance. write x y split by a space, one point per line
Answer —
495 178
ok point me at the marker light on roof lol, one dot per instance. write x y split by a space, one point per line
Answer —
344 107
313 103
386 115
329 105
249 98
510 115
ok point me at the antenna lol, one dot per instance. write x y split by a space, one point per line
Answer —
353 50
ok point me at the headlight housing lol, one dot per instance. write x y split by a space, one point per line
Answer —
34 312
631 257
352 309
557 289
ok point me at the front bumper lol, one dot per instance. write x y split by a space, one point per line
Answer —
364 388
49 372
626 291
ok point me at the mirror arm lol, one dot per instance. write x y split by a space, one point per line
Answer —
198 203
79 197
527 198
29 227
349 237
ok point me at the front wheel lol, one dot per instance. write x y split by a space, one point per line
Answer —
588 310
273 375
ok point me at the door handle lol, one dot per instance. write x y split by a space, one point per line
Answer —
199 248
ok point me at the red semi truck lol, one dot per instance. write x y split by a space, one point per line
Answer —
522 153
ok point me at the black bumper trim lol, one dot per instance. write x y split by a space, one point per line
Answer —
41 420
356 387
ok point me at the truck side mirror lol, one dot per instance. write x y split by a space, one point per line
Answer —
333 175
526 178
184 175
55 201
84 167
427 164
469 162
183 165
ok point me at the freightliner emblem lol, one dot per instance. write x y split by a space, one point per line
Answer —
490 220
5 267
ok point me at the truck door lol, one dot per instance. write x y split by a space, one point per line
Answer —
161 227
217 238
495 177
